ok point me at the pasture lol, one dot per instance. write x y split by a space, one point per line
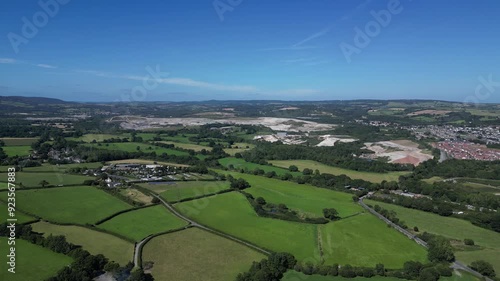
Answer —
139 224
175 191
194 254
132 147
19 141
136 195
239 163
68 204
145 162
95 242
367 176
33 262
452 228
22 150
195 147
364 240
238 148
28 179
63 168
307 199
231 213
21 218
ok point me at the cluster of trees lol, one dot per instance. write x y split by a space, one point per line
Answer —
278 211
439 248
270 269
390 215
341 155
459 168
238 184
483 267
331 214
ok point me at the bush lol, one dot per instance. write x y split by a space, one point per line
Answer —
483 267
469 242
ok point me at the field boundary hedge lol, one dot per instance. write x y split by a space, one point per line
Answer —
122 212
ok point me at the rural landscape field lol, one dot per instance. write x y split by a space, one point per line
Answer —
232 140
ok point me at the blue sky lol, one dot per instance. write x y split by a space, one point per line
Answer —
92 50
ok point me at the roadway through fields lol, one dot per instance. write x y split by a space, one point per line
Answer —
454 265
138 247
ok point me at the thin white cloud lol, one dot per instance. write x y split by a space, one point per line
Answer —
45 65
8 61
313 36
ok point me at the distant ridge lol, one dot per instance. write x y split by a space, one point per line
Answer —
31 100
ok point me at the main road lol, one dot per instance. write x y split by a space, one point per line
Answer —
455 265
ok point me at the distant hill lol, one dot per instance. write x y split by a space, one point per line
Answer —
30 100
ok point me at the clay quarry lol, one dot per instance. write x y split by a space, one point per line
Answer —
398 151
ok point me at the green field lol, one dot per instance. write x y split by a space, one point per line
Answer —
194 254
68 204
62 168
231 213
21 218
367 176
12 151
132 147
306 199
239 163
54 179
146 162
19 141
452 228
98 137
112 247
32 262
176 191
296 276
141 223
191 146
364 240
241 147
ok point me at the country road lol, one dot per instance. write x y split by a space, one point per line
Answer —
138 248
455 265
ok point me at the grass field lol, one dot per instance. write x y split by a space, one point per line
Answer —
306 199
241 147
452 228
232 213
364 240
194 254
298 276
19 141
141 223
239 163
54 179
112 247
367 176
21 218
12 151
62 168
146 162
132 147
98 137
186 189
32 262
136 195
191 146
68 204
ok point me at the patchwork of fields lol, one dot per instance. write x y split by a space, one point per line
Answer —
175 191
194 254
132 147
79 205
239 163
34 179
367 176
452 228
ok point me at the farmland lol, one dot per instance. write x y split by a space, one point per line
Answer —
194 254
145 162
307 199
21 218
19 141
141 223
132 147
62 168
175 191
68 204
367 176
238 148
22 150
452 228
33 262
239 163
26 179
364 240
295 276
112 247
231 213
195 147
